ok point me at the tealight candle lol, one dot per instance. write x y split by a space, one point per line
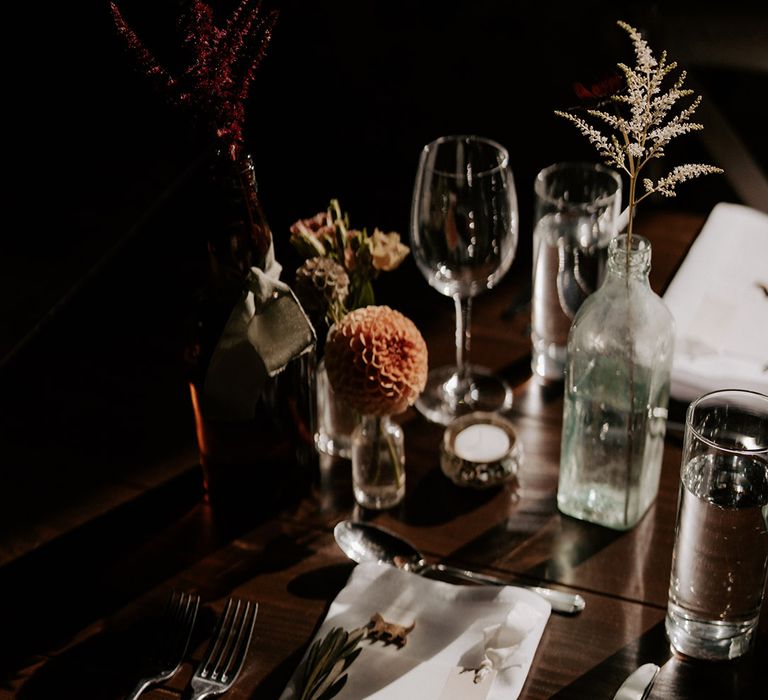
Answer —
480 450
481 442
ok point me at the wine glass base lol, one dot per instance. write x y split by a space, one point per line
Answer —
487 392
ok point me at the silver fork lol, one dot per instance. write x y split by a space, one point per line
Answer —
170 645
226 652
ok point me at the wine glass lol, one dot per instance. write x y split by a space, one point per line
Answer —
464 225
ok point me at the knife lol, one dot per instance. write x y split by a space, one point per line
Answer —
638 684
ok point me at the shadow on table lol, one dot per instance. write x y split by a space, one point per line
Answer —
103 666
577 541
604 679
109 663
680 678
321 584
274 684
436 500
688 679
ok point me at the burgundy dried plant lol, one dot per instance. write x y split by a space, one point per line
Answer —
221 65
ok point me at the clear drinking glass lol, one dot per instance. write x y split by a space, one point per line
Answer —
576 215
464 223
721 547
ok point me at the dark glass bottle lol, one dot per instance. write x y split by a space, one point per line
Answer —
239 457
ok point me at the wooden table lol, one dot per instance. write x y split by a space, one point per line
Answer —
73 606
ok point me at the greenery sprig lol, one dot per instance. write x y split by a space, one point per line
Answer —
644 120
323 673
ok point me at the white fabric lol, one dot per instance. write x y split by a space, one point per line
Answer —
720 309
450 631
265 331
503 642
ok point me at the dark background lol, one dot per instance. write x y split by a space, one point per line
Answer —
348 94
98 212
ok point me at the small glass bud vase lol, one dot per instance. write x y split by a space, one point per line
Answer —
336 419
378 463
616 391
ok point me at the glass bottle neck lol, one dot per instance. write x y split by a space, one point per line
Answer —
240 236
631 261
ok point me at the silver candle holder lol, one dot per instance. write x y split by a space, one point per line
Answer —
480 450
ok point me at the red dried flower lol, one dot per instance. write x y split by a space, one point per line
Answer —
223 62
599 90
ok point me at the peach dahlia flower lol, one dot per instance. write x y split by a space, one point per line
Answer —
376 360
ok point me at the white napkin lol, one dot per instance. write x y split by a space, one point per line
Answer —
720 308
265 331
455 626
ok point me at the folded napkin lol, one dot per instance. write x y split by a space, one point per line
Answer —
492 630
265 331
719 298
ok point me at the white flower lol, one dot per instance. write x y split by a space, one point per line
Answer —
646 125
387 252
665 186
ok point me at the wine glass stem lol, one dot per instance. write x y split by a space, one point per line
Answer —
463 341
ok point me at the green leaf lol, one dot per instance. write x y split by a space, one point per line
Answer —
335 689
353 641
330 678
351 657
326 660
365 295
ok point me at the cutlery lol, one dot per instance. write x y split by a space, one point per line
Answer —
171 642
363 542
226 652
638 684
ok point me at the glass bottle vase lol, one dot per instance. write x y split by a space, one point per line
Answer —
619 359
378 463
237 454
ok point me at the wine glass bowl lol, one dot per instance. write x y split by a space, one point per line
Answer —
464 224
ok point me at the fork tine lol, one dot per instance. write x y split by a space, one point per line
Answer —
245 641
226 652
225 656
167 626
174 612
228 642
217 640
188 614
240 647
180 615
170 640
173 606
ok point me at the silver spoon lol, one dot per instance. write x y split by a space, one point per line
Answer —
363 542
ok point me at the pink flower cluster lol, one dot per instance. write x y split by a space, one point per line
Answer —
328 235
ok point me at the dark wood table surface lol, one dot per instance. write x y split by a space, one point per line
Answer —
74 609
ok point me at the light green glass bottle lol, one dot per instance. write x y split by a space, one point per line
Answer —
616 392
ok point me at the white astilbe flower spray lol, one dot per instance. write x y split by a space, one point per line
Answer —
644 121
